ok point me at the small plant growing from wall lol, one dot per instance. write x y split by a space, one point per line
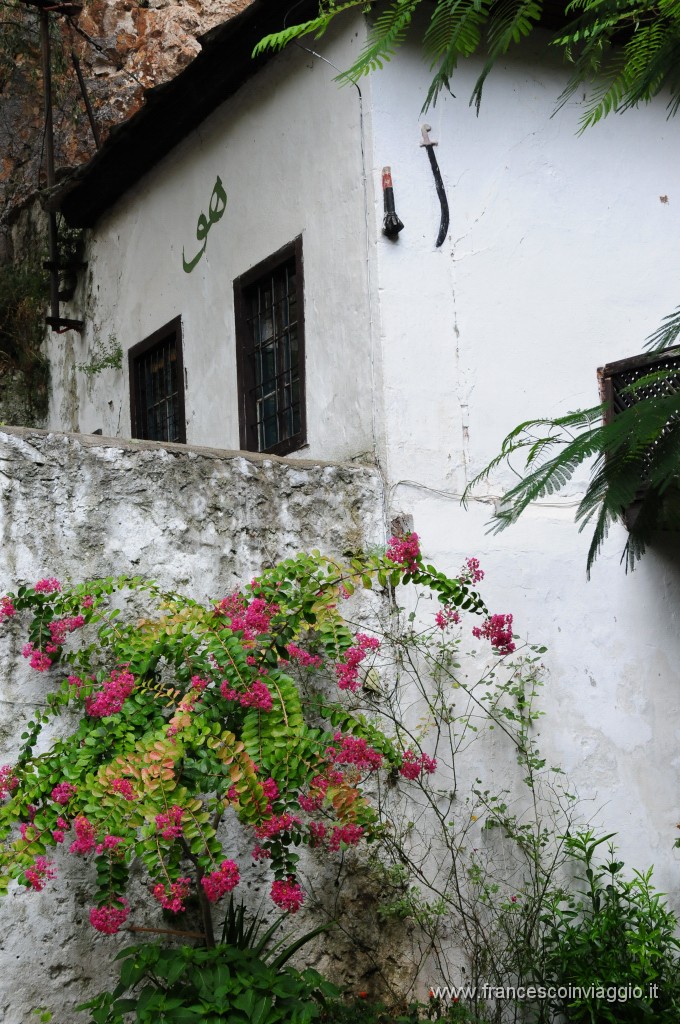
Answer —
106 355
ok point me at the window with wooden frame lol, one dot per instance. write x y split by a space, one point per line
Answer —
270 353
157 386
659 373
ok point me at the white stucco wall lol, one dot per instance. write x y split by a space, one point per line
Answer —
288 149
561 255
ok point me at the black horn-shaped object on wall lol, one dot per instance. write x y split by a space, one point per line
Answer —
391 223
443 201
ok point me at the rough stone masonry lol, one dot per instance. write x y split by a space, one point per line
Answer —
195 519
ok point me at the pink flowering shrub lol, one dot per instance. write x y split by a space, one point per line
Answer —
296 653
110 700
170 825
41 872
109 918
347 670
47 586
473 571
415 765
221 881
173 896
350 750
8 781
405 551
287 894
497 629
62 793
124 787
193 715
447 617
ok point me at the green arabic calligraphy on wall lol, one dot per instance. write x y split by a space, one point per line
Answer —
216 208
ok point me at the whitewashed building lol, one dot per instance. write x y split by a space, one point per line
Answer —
240 180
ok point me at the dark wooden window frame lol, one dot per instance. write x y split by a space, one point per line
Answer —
244 374
174 327
628 371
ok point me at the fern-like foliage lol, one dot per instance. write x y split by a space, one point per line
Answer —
631 49
624 51
316 27
666 335
635 477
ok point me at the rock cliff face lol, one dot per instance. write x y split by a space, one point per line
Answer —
124 48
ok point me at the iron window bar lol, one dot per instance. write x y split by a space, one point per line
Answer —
157 386
270 353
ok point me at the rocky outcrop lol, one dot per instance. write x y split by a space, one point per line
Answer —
124 48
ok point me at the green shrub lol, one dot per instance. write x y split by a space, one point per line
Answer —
223 985
616 943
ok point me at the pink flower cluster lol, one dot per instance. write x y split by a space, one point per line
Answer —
172 897
47 586
222 881
59 630
256 696
110 843
259 853
404 551
317 791
447 616
317 831
412 765
39 660
41 872
62 793
288 895
7 609
59 833
277 825
109 919
304 658
170 825
497 629
354 751
347 670
86 837
271 791
252 619
348 834
108 701
8 782
124 788
472 570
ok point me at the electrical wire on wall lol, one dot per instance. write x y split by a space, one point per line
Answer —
486 499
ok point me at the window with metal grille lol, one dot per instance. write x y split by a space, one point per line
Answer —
268 302
616 380
157 386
